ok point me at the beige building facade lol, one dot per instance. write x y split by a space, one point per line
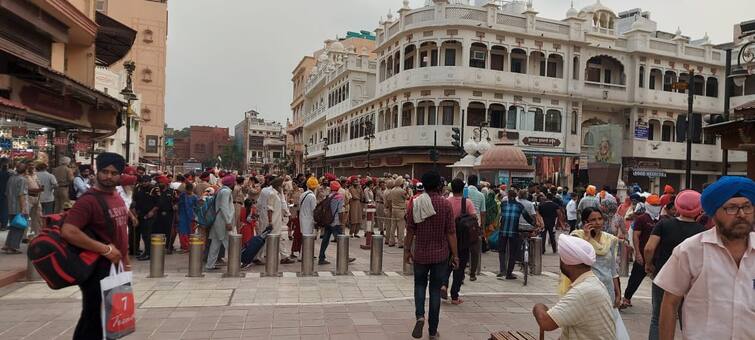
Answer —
149 18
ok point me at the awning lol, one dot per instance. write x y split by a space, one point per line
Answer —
8 106
114 40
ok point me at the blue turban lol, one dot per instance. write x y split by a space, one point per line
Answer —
718 193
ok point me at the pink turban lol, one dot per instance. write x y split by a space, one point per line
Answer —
574 250
229 180
687 203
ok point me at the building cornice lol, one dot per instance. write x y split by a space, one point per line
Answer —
81 26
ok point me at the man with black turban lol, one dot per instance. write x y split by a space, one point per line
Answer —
102 230
713 270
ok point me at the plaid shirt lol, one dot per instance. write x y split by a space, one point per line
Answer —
510 213
431 235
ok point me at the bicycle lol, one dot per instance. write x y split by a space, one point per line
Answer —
524 235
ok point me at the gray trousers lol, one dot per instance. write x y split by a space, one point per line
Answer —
212 256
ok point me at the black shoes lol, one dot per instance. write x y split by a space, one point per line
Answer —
417 332
143 257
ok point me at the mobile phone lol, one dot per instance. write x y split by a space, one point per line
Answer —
593 232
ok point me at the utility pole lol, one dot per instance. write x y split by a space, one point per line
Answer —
690 121
727 100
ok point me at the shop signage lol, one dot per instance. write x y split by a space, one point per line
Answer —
641 129
60 141
22 154
640 172
41 141
521 182
503 177
81 146
18 131
541 141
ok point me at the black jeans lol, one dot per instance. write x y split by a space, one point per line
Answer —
327 232
508 248
145 230
90 321
572 225
436 273
549 231
635 279
475 252
458 273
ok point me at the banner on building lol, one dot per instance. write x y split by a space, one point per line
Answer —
641 129
604 144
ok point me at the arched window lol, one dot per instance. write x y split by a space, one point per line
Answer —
475 114
448 112
642 77
553 121
518 61
655 79
406 114
537 63
478 54
397 62
667 131
409 53
147 36
668 79
654 130
497 116
498 58
389 66
711 87
605 69
539 120
511 116
575 68
588 138
382 70
699 85
428 54
147 75
555 66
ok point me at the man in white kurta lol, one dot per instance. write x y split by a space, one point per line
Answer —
223 221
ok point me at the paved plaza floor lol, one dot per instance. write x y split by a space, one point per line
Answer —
354 306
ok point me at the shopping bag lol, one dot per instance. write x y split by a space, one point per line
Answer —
19 222
493 240
118 313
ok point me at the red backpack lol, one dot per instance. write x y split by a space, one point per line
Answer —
57 262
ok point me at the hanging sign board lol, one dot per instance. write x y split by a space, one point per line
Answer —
18 131
60 141
41 141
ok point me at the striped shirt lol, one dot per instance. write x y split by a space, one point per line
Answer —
585 311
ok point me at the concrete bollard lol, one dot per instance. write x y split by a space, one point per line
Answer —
31 272
234 256
342 255
272 254
623 259
307 255
196 245
536 255
376 255
157 256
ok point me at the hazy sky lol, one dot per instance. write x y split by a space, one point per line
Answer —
229 56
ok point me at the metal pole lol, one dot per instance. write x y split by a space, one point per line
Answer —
376 255
271 255
307 255
623 260
196 245
369 148
157 256
234 256
536 255
727 103
342 255
435 150
690 99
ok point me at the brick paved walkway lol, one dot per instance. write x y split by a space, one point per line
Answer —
356 306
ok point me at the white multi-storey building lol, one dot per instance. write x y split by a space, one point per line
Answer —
261 142
540 83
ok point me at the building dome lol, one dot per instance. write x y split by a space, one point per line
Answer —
597 7
572 12
337 47
503 156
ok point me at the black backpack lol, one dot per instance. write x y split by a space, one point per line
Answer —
323 214
58 263
467 227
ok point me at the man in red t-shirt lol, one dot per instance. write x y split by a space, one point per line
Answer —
87 227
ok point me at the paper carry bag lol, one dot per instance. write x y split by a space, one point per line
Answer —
118 313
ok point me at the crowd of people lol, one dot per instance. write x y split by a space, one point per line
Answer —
689 243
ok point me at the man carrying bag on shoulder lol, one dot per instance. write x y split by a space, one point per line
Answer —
98 223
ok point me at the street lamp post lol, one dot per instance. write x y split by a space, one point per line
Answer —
324 155
128 94
369 136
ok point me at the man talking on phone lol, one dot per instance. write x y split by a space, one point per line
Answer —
432 239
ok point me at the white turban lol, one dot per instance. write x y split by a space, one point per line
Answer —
65 160
574 250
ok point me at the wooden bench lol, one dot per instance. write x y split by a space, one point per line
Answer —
513 335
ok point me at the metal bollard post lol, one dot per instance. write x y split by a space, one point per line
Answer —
31 272
623 259
272 255
196 245
307 255
157 256
536 255
234 256
342 255
376 255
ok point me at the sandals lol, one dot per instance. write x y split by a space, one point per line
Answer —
444 292
457 301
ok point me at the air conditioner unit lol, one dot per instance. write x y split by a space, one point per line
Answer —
479 55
